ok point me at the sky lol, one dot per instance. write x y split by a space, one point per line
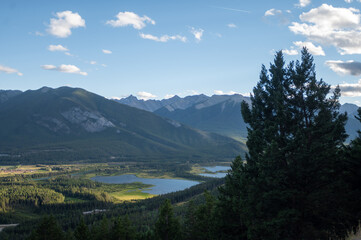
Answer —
158 49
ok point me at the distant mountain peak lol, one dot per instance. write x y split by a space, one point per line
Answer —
90 126
175 97
45 89
176 102
5 95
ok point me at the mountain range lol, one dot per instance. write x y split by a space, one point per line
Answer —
218 113
74 124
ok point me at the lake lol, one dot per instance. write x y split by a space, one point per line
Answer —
161 185
217 171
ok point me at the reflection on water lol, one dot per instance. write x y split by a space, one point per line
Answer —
217 171
161 186
214 175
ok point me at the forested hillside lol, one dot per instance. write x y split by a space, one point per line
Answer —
71 124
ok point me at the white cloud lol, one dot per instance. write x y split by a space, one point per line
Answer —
303 3
64 68
311 48
220 92
351 89
168 96
107 51
164 38
130 18
232 25
57 48
115 98
197 33
65 21
68 54
93 62
272 12
339 27
349 67
145 95
290 51
9 70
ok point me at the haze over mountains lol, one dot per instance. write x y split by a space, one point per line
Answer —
219 113
72 123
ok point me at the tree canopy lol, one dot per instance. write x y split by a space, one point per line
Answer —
290 186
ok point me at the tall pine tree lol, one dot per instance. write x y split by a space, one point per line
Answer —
167 226
290 186
353 173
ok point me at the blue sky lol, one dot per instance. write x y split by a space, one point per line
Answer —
156 49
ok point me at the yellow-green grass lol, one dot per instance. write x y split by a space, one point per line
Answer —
196 170
128 195
126 191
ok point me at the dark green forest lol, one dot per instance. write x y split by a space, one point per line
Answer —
299 180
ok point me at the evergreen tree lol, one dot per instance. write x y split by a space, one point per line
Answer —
190 221
353 173
82 231
101 232
167 226
123 230
48 228
204 226
229 224
290 187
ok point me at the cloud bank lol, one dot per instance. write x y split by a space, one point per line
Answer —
351 89
328 25
290 52
311 48
349 67
145 95
124 19
65 21
163 38
64 68
105 51
9 70
59 47
303 3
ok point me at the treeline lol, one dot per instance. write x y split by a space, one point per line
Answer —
142 214
15 195
198 223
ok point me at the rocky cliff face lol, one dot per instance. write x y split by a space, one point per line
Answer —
90 121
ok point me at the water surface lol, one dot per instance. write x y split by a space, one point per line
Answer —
217 171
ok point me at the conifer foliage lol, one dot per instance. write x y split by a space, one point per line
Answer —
290 186
167 226
353 163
